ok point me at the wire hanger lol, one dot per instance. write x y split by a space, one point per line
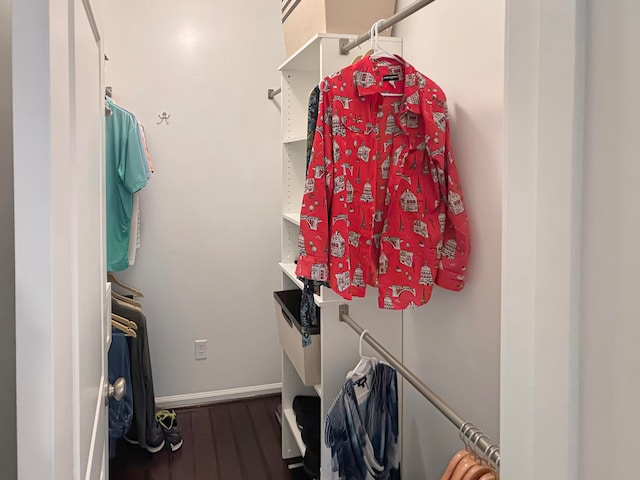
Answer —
136 293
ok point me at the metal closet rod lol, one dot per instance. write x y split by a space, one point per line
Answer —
472 436
346 45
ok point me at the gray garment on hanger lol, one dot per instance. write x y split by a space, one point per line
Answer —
144 403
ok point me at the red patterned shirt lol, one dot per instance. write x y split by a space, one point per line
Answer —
382 203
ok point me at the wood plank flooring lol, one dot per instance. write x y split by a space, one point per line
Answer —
226 441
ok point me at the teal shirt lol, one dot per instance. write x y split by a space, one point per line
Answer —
125 175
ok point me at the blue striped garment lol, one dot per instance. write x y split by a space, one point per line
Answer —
361 428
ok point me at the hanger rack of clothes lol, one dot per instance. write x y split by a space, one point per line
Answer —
134 418
128 170
474 439
347 45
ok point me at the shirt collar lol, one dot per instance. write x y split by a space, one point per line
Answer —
368 79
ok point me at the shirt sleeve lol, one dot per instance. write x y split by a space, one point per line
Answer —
132 170
313 262
143 146
455 247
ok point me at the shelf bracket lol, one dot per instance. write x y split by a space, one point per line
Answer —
271 93
343 42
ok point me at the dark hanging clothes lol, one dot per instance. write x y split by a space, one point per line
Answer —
120 411
308 308
312 120
144 425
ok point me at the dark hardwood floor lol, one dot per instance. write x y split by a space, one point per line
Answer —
226 441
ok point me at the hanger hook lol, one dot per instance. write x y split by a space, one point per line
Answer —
488 447
463 430
364 332
475 444
489 454
377 30
471 441
372 36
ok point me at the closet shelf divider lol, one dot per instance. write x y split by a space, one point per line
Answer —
290 418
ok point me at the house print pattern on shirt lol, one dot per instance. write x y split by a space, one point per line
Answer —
382 203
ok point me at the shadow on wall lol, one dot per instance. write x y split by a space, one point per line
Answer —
410 436
277 104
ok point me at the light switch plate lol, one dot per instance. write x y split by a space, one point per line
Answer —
201 349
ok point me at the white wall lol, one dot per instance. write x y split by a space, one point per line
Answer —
453 343
610 330
210 219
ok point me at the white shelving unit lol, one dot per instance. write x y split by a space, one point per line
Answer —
295 139
290 418
292 217
289 269
318 58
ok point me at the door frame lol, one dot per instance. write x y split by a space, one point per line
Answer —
542 210
545 77
7 255
43 206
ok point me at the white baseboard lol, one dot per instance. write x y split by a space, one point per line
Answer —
203 398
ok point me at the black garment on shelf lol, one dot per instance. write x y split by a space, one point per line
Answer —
307 410
144 405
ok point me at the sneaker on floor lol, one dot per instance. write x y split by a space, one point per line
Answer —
168 420
132 436
155 439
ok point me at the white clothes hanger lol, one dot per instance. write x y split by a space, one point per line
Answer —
379 52
364 365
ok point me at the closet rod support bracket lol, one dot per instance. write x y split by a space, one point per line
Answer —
272 93
342 43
